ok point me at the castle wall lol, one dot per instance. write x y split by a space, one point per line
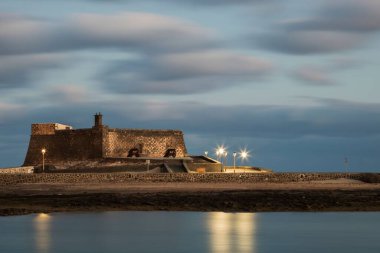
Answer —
151 143
48 128
63 145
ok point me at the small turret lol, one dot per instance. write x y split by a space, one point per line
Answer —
98 120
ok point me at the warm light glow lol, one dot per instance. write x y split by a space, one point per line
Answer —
220 151
43 151
42 232
244 154
232 232
245 226
43 216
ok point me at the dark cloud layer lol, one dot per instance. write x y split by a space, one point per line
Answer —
176 56
132 31
309 42
184 73
267 128
22 70
339 25
344 15
29 45
213 3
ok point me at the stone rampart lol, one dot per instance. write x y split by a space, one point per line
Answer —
150 143
17 170
65 145
209 167
11 179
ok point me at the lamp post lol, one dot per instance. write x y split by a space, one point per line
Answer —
43 151
219 153
206 153
234 155
346 164
225 160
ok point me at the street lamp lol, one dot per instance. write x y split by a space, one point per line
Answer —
346 163
206 153
43 151
219 153
244 155
234 155
225 159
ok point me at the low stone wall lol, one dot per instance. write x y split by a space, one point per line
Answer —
11 179
209 167
17 170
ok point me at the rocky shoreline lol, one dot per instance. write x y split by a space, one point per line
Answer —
84 192
267 198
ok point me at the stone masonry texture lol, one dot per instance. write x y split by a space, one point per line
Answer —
11 179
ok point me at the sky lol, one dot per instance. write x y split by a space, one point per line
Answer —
295 82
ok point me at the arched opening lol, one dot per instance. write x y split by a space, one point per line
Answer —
170 153
134 152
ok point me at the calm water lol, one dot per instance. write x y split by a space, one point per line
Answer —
110 232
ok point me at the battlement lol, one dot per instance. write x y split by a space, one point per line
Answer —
48 128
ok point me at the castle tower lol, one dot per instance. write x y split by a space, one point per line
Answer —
98 120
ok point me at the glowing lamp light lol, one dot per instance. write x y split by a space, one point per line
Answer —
244 154
220 151
43 151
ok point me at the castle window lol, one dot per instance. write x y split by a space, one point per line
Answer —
133 152
170 153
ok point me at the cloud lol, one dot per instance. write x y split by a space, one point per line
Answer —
309 42
346 63
184 73
221 2
338 26
314 76
141 32
9 111
343 15
329 118
29 45
214 3
19 70
322 74
67 94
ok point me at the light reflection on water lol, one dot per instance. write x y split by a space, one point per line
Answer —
189 232
232 232
42 232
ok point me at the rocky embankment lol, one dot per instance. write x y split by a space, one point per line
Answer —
34 193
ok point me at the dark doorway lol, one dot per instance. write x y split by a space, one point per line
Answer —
170 153
134 152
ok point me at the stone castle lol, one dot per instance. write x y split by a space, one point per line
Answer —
65 144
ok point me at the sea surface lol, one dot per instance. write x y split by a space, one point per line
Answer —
134 232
